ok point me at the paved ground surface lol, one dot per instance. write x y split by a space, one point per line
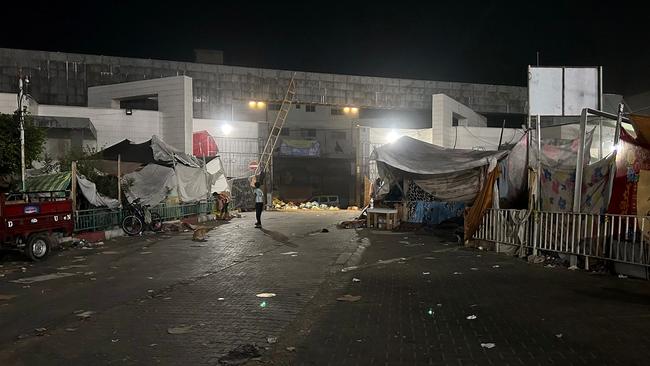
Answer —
412 311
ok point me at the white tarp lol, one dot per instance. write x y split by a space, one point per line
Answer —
166 153
215 168
151 184
193 183
418 157
89 190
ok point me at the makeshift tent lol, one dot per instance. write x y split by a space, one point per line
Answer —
215 167
203 144
89 191
446 174
152 184
133 156
630 194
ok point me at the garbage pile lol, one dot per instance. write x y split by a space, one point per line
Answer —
314 206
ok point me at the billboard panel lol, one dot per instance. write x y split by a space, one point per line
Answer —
545 91
580 89
563 91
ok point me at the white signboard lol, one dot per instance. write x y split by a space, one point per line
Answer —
580 89
545 91
562 91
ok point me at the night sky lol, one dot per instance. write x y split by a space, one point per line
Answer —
467 41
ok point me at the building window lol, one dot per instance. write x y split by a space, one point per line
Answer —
336 112
310 108
454 121
274 107
297 106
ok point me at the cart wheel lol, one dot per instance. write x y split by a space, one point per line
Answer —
38 247
132 225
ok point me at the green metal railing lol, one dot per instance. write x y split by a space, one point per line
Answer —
101 219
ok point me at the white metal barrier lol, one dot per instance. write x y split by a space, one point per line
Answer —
620 238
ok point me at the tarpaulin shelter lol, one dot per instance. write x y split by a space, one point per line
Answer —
61 182
445 174
132 156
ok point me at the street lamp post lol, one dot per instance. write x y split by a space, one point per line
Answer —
23 84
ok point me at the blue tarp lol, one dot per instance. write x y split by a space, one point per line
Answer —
433 213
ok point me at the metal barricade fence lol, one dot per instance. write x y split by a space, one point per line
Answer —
100 219
619 238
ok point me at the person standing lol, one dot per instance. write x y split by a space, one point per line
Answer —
259 204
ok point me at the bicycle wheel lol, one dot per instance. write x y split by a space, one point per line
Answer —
132 225
156 222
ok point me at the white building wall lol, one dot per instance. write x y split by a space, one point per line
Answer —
443 111
481 138
174 104
112 125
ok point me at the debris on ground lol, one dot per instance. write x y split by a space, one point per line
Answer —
266 294
353 224
240 355
426 273
272 340
291 349
471 317
288 253
458 273
488 345
559 335
573 268
84 314
622 276
356 280
324 231
183 329
496 266
281 205
349 298
536 259
347 269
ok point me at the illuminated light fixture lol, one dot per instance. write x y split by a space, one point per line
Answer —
354 110
226 129
252 104
346 110
392 136
260 104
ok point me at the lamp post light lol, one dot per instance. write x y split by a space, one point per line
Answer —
23 86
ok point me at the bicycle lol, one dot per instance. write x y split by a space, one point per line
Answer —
140 218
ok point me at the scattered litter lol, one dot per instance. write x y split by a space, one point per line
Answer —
496 266
387 261
145 252
110 252
573 268
240 355
429 257
167 298
220 299
150 278
288 253
47 277
85 314
550 265
41 330
426 273
6 297
473 305
272 340
255 255
150 291
488 345
294 255
356 280
89 273
473 269
480 248
349 298
536 259
347 269
458 273
115 340
180 329
291 349
471 317
622 276
266 294
478 255
403 242
71 329
439 305
559 335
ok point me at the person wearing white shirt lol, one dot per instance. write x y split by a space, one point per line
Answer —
259 204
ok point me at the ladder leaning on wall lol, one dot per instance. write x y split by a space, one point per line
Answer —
280 118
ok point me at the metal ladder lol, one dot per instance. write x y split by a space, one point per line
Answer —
267 153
